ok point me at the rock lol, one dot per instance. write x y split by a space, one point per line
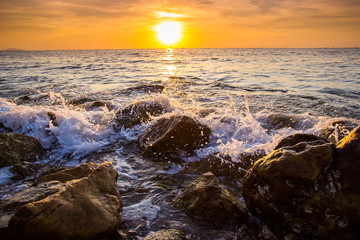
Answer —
78 101
29 170
69 174
298 138
207 198
146 88
176 135
90 106
138 113
222 165
16 147
4 129
348 165
83 208
281 120
52 117
307 189
168 234
338 130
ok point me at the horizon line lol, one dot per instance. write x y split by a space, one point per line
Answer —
89 49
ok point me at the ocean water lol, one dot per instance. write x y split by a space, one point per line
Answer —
233 91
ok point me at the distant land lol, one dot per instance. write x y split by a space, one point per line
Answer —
14 50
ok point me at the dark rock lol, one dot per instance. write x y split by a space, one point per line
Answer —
52 117
146 88
24 100
177 135
298 138
29 170
78 101
338 130
207 198
168 234
281 120
138 113
222 165
16 147
307 189
4 129
84 208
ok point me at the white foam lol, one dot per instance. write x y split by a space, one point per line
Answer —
140 211
75 130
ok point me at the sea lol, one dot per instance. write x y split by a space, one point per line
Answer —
233 91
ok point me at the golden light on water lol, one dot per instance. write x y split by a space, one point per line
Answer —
169 33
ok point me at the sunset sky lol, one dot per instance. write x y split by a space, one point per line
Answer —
118 24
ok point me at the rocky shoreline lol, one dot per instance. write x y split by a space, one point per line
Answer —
306 188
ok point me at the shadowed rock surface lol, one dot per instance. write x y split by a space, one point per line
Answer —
176 135
16 147
307 189
87 207
207 198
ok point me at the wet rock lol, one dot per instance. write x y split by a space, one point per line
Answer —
90 106
4 129
306 188
168 234
176 135
78 101
281 120
146 88
207 198
298 138
222 165
83 208
138 113
29 170
338 130
16 147
52 117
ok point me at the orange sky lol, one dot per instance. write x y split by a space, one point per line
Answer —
117 24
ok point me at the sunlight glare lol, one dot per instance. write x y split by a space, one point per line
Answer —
169 33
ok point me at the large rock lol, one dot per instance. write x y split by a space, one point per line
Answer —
87 206
307 189
168 234
177 135
16 147
207 198
138 113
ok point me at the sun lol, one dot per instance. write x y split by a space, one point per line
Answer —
169 33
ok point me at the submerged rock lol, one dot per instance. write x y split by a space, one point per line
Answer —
138 113
84 207
207 198
307 189
16 147
168 234
176 135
